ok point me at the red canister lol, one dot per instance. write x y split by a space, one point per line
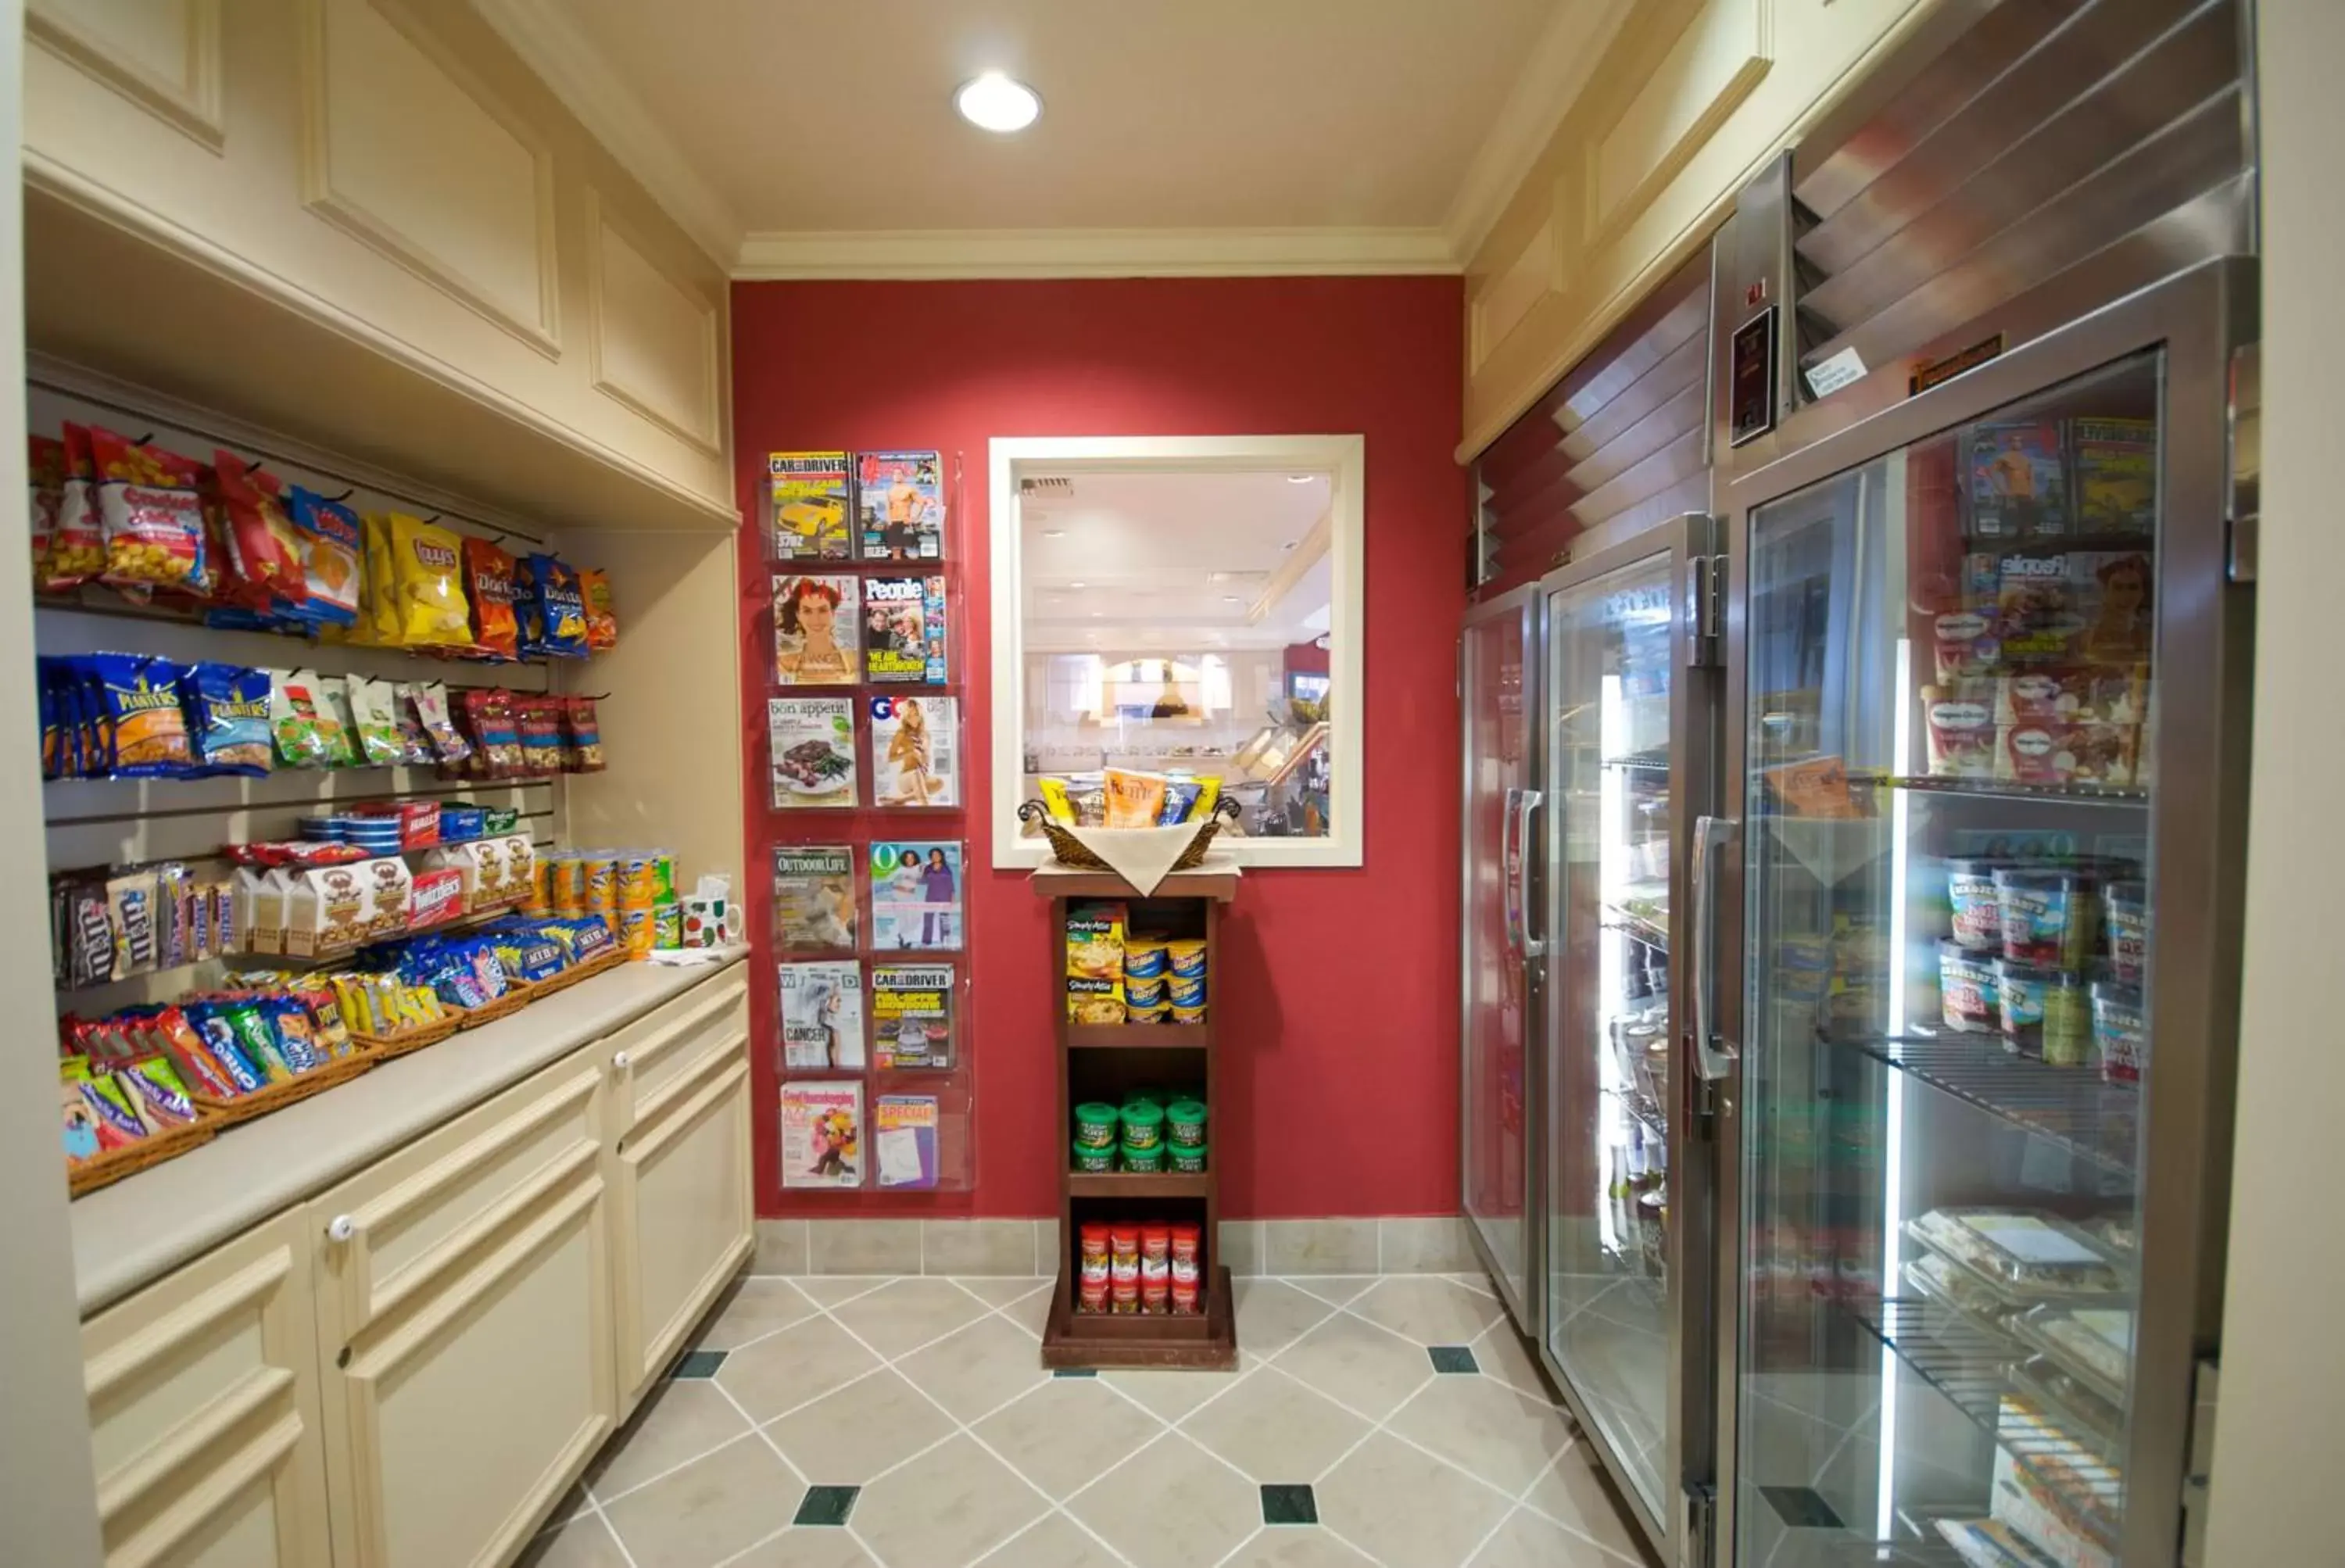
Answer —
1153 1295
1184 1296
1095 1294
1125 1294
1185 1264
1123 1269
1156 1242
1095 1244
1124 1240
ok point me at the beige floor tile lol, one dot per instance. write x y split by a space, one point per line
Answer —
1409 1506
831 1290
817 1546
1573 1495
909 1313
1053 1542
847 1438
1485 1428
1276 1429
1297 1546
1527 1541
1272 1314
1002 1291
1173 1395
1477 1280
1501 1353
1427 1310
678 1421
1333 1289
1357 1365
977 1370
584 1543
1065 1434
783 1370
755 1308
708 1510
1032 1310
1170 1505
953 1507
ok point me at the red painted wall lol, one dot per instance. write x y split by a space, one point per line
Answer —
1339 990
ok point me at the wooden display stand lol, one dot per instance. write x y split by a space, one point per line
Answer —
1105 1061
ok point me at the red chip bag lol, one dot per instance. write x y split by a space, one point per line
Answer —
489 584
46 465
77 542
263 569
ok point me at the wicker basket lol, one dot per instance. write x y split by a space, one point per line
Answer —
260 1102
1068 850
387 1047
103 1170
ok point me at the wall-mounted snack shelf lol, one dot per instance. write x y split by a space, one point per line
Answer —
1105 1061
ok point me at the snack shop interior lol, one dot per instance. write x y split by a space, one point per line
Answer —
1579 828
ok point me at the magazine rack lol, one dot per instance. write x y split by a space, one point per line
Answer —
1106 1062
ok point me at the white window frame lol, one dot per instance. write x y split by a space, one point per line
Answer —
1345 459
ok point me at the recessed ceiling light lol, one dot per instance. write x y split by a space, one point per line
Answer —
1301 478
1231 599
993 102
1055 533
1074 585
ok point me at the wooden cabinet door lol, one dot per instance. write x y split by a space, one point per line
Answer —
683 1212
464 1314
204 1413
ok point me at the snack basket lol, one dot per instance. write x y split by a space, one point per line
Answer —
1070 850
260 1102
105 1169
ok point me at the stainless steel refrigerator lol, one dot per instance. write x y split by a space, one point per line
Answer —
1969 913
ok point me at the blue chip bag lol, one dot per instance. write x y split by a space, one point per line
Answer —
228 713
553 609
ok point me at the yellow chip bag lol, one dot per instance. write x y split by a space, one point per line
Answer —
428 585
378 622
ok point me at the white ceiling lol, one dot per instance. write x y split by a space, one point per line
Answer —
805 138
1181 562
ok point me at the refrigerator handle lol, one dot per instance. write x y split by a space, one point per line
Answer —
1714 1058
1526 802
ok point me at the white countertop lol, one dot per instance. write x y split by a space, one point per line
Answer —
143 1226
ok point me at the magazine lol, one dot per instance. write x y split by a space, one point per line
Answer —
822 1134
822 1015
814 896
914 750
904 1133
916 895
912 1014
816 623
811 742
900 498
904 629
809 497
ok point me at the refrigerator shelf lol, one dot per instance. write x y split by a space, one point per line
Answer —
2071 1107
1641 761
1968 1366
1641 1111
1647 931
2002 790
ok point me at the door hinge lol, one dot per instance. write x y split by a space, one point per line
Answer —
1701 1520
1704 609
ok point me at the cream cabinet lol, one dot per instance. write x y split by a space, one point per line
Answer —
464 1311
682 1204
204 1413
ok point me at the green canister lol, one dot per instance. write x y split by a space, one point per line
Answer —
1143 1125
1095 1125
1092 1161
1151 1158
1185 1123
1188 1159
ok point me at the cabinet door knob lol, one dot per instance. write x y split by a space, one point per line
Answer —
341 1227
619 1061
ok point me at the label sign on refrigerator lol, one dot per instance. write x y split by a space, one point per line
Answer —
1752 378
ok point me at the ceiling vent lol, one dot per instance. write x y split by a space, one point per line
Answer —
1053 487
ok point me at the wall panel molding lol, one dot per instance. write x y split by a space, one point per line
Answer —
1715 63
422 163
654 340
171 71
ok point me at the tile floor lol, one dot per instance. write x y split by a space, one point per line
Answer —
906 1423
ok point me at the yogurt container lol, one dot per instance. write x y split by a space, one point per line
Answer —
2120 1031
2125 910
1968 988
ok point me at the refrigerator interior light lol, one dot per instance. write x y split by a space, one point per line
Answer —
1611 880
1893 1140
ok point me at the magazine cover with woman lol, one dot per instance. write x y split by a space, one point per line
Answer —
817 631
822 1015
915 758
916 896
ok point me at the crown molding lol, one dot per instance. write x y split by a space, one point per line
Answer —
549 44
1553 74
1095 253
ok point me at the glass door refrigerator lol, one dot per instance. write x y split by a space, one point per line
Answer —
1632 706
1498 678
1973 1010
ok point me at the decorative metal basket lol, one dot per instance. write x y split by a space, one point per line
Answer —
1068 850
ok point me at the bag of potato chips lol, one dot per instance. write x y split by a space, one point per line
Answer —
77 544
427 589
326 534
261 571
151 509
602 615
553 609
489 580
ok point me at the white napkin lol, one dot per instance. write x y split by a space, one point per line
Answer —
1140 856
